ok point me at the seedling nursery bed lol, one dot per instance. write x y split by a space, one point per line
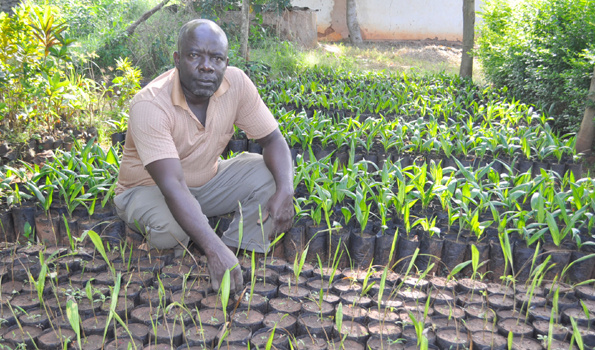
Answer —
49 294
430 213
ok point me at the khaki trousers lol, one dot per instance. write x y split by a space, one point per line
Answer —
244 179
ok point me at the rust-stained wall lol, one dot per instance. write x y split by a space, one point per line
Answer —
391 19
296 25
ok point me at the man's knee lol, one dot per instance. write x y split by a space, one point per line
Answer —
268 184
166 237
263 174
160 229
260 178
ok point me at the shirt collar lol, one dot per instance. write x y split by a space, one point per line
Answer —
177 94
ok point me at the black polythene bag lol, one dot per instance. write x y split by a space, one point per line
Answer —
581 270
497 265
559 259
483 248
430 251
317 237
293 242
362 248
114 231
453 253
405 249
523 259
339 240
382 249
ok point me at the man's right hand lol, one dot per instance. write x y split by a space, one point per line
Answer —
169 177
222 259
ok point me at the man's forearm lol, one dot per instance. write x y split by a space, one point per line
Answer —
277 158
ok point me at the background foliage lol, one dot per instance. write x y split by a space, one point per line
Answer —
543 51
67 62
38 81
42 86
98 27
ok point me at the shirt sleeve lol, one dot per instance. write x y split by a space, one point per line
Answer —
253 115
151 130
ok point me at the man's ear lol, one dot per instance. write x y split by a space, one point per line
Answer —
177 58
227 62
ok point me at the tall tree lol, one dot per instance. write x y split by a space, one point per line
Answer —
352 24
245 29
466 70
586 134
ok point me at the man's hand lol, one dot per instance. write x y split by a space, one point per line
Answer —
279 209
169 177
277 158
222 259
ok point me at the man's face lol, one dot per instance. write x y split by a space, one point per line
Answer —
201 61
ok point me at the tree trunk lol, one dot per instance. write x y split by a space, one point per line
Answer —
584 139
466 70
245 29
354 33
130 30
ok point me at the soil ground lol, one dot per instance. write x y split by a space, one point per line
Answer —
420 55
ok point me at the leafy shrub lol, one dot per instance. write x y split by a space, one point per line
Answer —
98 25
123 88
38 83
41 86
543 51
99 28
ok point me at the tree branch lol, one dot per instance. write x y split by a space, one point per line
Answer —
130 30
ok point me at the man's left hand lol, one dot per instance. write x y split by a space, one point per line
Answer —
280 210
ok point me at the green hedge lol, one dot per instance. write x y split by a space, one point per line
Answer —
543 51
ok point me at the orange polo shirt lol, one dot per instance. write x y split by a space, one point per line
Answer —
161 125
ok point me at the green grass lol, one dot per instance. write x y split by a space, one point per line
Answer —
285 58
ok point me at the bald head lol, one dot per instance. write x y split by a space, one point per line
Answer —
204 26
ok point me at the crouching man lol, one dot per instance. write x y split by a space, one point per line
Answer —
171 175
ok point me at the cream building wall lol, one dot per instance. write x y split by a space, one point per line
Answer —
391 19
